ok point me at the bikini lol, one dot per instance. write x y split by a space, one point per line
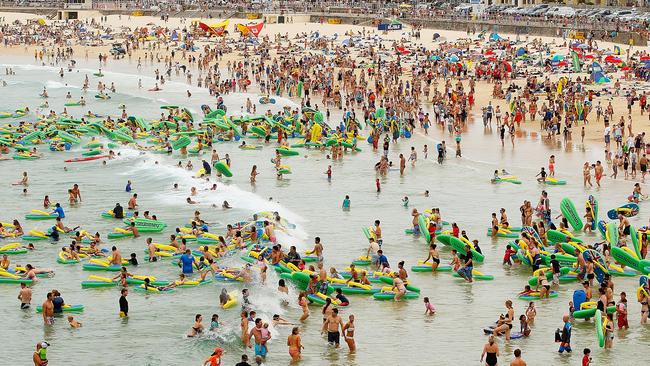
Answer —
349 331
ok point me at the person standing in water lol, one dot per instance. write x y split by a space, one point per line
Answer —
133 202
124 304
254 174
332 323
490 352
295 344
48 310
348 333
346 203
25 296
518 361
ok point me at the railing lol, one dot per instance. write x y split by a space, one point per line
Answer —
345 8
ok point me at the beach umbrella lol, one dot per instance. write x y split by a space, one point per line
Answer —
489 52
403 50
453 50
583 46
557 58
453 58
434 58
612 60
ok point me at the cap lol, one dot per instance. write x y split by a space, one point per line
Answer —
44 344
218 351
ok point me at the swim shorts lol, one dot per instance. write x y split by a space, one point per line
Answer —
333 337
260 350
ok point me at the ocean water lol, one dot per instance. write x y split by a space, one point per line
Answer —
395 333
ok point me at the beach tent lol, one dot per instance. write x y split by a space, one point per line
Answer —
174 36
520 52
597 74
495 37
613 60
600 78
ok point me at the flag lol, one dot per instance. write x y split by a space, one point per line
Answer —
215 29
254 30
577 66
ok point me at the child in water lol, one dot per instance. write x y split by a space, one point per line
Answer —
405 201
214 323
428 307
73 323
346 203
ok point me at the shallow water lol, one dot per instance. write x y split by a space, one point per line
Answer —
155 331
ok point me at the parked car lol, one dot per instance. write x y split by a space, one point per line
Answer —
565 11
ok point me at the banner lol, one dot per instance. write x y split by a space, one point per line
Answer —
253 16
577 35
389 27
576 62
254 30
137 13
333 20
215 29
